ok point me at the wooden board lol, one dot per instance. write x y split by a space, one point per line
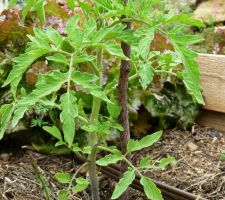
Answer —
212 119
212 69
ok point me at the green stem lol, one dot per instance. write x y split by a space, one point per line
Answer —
93 139
131 78
70 73
75 175
167 72
93 174
123 156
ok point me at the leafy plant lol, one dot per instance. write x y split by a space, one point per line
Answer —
77 79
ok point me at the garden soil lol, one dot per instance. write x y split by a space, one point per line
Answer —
200 168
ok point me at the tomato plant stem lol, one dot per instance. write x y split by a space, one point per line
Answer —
93 139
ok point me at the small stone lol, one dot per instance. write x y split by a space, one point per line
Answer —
191 146
211 10
4 156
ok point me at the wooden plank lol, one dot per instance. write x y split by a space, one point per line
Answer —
212 119
212 69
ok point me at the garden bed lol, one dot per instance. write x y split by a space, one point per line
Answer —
199 170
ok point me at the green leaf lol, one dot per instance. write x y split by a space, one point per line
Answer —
63 177
40 8
47 84
222 155
191 74
68 115
81 185
145 163
98 127
125 181
85 7
146 35
63 195
71 4
147 141
54 131
6 112
55 37
146 73
23 61
86 81
75 148
101 34
75 35
82 58
59 58
115 50
109 159
28 4
107 4
72 25
164 162
186 19
12 3
113 109
87 150
186 39
151 191
39 40
60 143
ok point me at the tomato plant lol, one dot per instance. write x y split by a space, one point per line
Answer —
76 84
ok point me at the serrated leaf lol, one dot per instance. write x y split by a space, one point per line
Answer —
6 112
186 19
47 84
101 34
146 73
63 177
98 127
72 25
164 162
124 183
113 109
147 141
28 4
55 37
82 58
54 131
186 39
86 81
22 63
71 4
59 58
104 4
39 40
87 150
12 3
63 195
145 163
75 148
40 8
69 112
151 191
147 35
109 159
90 27
86 7
81 185
190 74
115 50
60 143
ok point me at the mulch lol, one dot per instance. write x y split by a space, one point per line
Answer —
199 168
